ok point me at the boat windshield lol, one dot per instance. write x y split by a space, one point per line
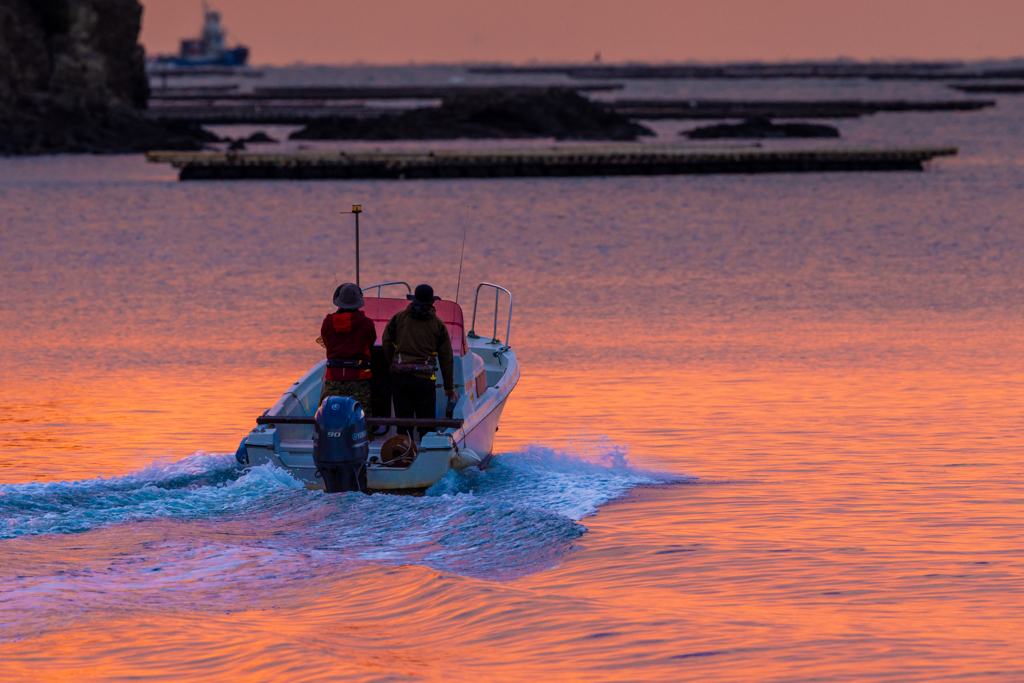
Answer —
380 311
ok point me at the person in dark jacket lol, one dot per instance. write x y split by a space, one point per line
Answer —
348 335
416 344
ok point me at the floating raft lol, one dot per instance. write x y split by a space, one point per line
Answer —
230 108
303 105
267 114
1003 88
782 109
893 71
382 92
581 160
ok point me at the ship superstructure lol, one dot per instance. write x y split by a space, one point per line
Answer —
210 48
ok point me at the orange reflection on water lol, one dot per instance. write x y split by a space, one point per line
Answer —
855 436
108 425
839 518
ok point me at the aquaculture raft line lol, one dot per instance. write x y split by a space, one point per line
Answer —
595 160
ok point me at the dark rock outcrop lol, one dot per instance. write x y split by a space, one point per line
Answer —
72 79
556 113
260 136
758 128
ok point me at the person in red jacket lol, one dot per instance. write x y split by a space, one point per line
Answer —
348 335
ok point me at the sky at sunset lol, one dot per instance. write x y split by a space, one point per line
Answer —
403 31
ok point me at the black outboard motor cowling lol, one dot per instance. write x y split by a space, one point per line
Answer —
340 447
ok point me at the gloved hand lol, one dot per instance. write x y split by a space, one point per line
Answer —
452 395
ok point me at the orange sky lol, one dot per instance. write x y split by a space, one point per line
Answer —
402 31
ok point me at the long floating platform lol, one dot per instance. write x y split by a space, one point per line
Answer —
894 71
201 71
991 88
406 92
257 114
784 109
241 111
556 161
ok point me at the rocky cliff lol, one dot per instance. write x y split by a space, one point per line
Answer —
72 79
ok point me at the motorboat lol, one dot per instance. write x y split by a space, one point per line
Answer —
485 372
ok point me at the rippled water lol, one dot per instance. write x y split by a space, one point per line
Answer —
768 428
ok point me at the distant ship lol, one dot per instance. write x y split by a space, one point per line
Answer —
209 49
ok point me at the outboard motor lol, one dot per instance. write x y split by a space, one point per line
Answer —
340 447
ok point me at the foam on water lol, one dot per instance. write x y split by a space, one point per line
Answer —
539 479
199 485
201 531
572 485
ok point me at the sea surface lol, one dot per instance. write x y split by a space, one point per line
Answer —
769 427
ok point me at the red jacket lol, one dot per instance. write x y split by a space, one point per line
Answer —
348 334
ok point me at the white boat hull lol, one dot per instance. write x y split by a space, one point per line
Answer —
290 446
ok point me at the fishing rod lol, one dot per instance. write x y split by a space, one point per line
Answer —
459 283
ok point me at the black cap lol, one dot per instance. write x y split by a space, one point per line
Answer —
424 294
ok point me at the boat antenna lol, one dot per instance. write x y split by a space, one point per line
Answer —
356 210
458 285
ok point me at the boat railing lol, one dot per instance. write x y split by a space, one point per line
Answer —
412 422
498 289
382 285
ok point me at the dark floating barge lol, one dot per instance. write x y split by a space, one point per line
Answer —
990 88
255 113
558 161
306 105
230 108
376 92
784 109
878 71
